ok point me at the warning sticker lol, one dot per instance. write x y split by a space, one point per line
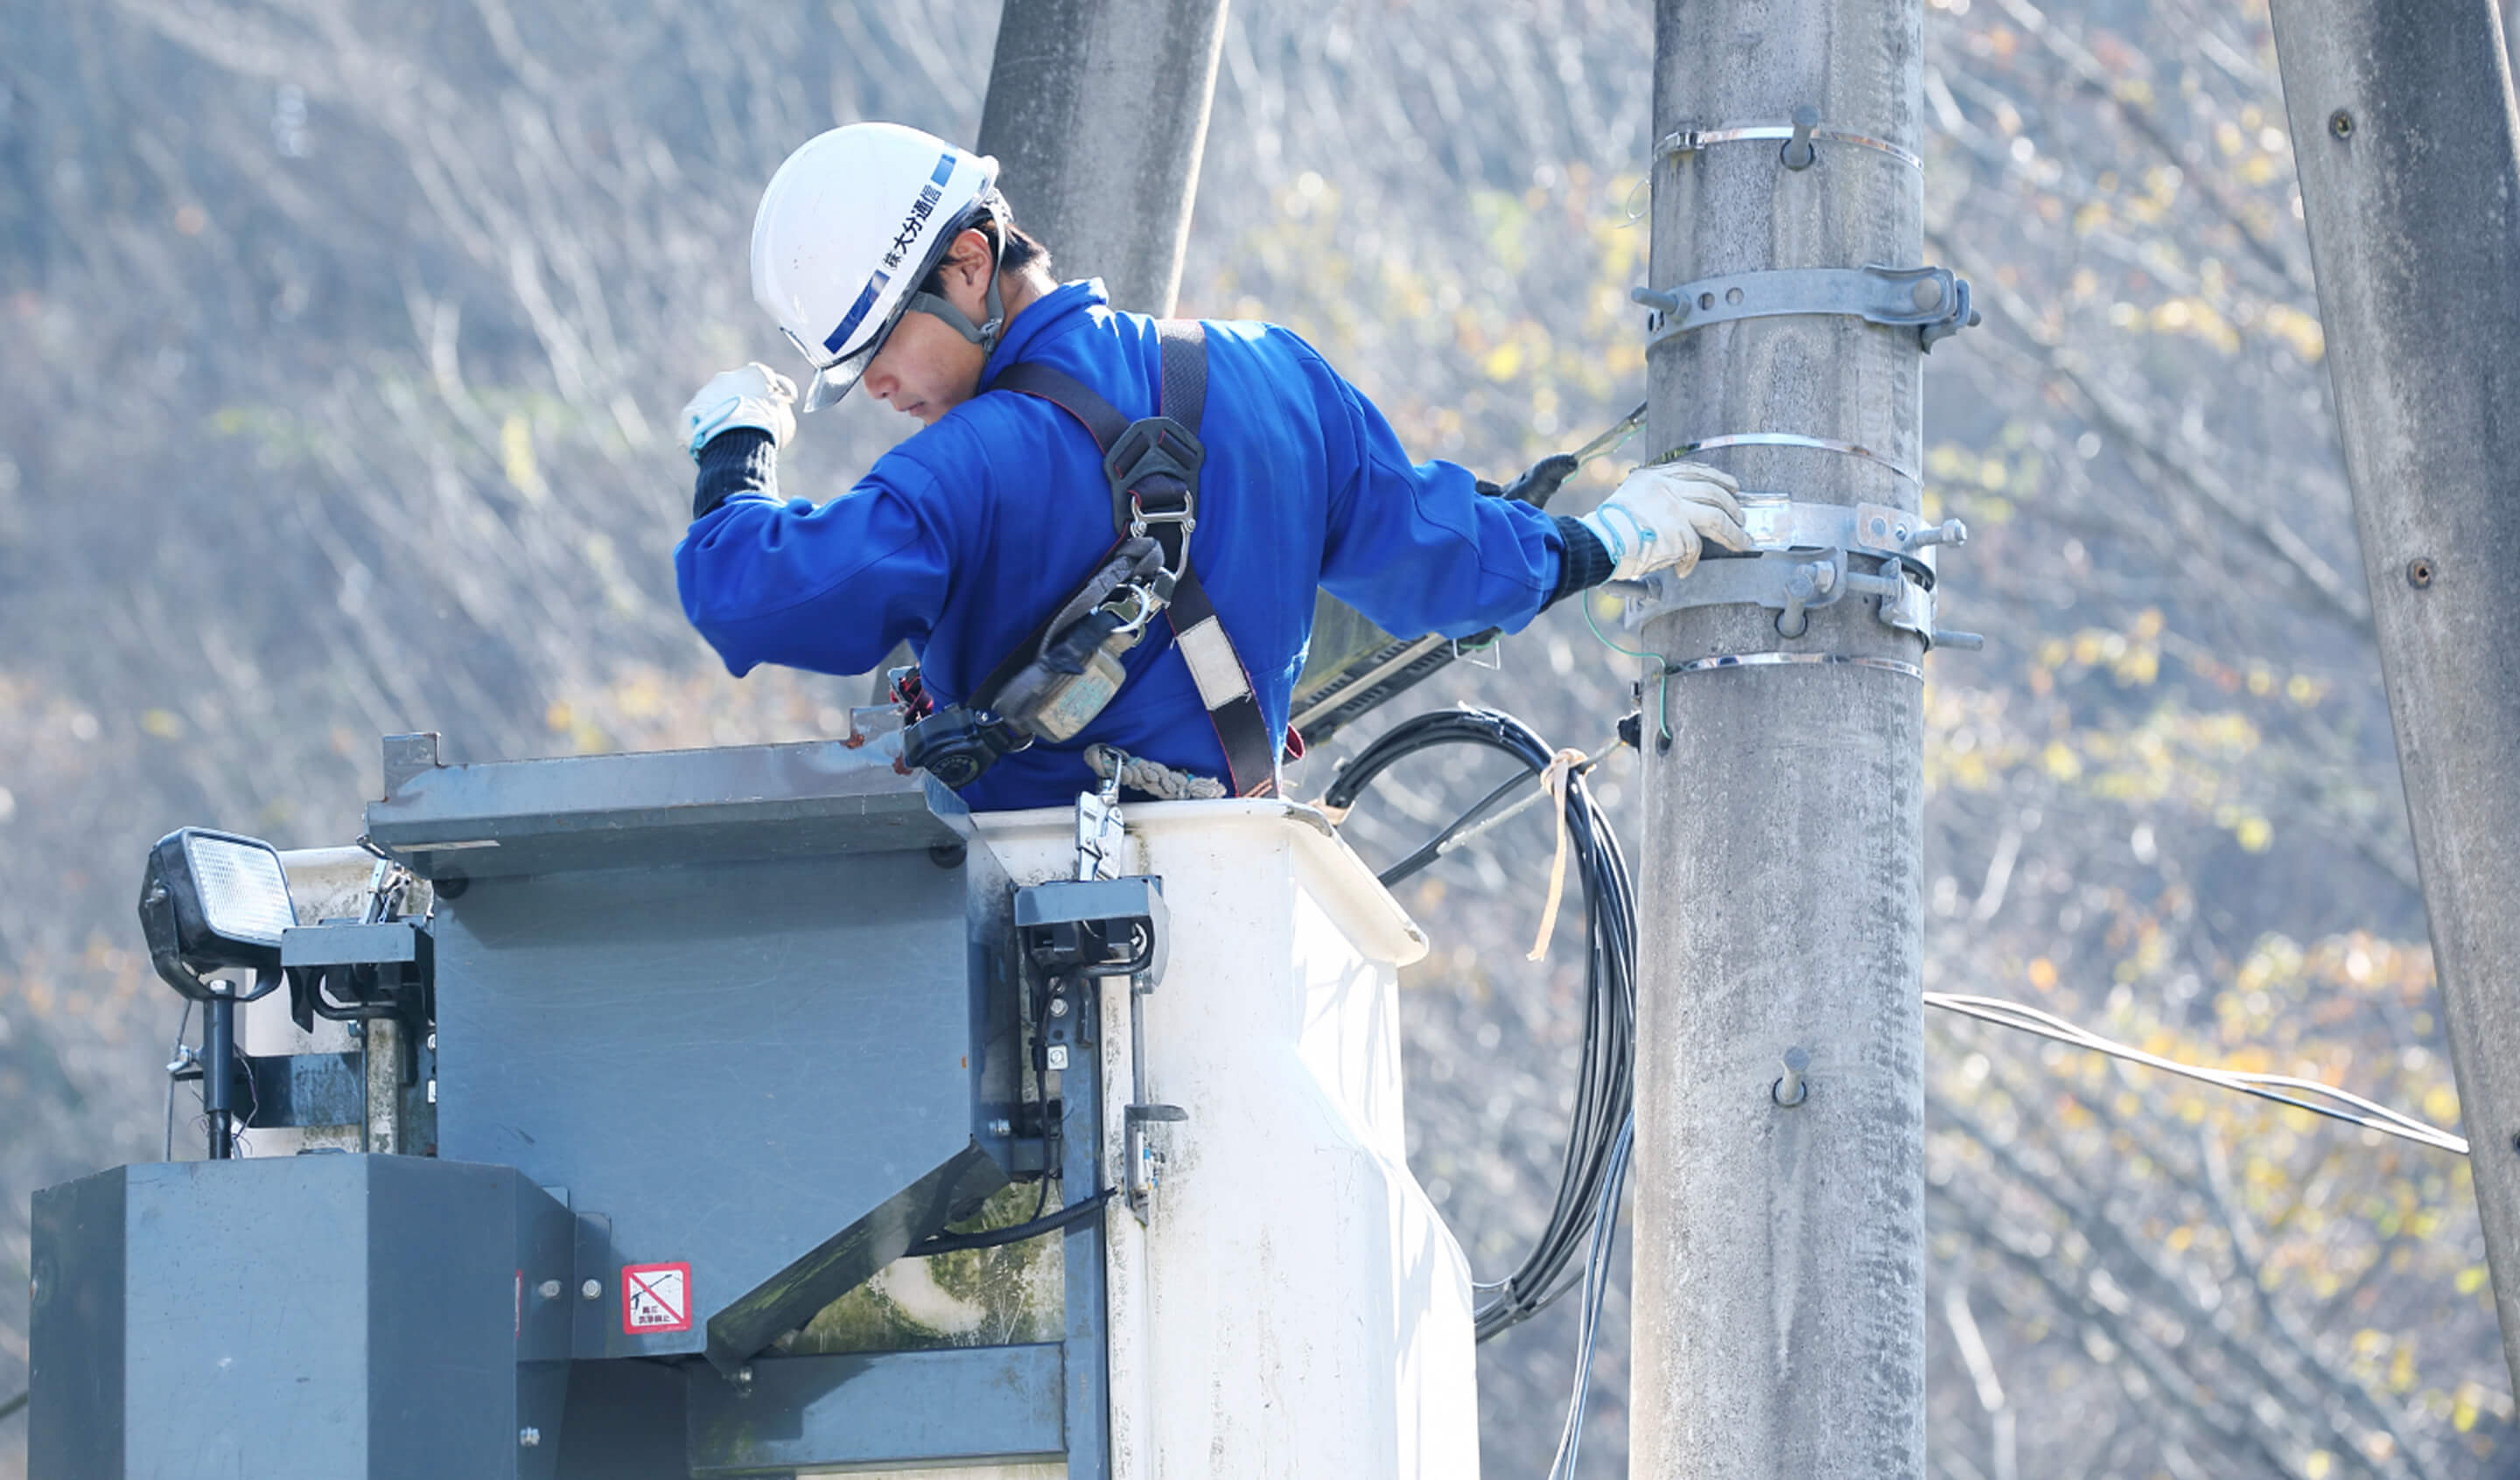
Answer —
656 1297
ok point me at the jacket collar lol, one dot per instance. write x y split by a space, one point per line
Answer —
1047 317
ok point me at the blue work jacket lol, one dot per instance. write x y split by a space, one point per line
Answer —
963 538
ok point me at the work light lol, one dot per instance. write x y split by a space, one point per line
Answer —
214 902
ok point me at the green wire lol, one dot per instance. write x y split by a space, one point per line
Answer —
1662 686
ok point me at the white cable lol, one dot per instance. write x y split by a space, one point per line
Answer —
175 1061
1596 1282
2365 1113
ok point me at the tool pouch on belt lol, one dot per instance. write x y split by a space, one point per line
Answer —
1060 691
1076 671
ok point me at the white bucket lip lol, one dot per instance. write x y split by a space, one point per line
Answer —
1381 925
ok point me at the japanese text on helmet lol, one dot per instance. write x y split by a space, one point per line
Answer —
912 224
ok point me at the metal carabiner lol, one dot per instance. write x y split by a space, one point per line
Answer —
1138 519
1146 607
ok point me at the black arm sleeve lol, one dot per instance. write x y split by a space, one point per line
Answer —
739 460
1585 564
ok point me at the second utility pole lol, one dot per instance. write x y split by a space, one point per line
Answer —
1097 112
1778 1297
2408 147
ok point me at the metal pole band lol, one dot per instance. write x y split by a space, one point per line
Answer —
1932 301
1689 141
1792 440
1779 660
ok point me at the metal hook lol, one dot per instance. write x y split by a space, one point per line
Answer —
1806 587
1792 1089
1799 153
1142 609
1634 215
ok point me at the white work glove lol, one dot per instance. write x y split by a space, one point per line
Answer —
756 396
1661 516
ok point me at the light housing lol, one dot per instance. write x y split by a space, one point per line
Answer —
214 902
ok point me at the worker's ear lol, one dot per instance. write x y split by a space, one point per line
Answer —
969 259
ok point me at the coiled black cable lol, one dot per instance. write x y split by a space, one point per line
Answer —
1605 1081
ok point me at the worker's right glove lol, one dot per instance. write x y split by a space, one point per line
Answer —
1538 484
1663 514
754 396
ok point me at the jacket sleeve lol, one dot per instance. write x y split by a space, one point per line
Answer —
1417 547
830 589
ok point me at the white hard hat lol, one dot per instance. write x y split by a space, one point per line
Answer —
848 229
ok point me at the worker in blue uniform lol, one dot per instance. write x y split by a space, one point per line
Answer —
890 260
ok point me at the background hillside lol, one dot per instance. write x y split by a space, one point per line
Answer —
337 345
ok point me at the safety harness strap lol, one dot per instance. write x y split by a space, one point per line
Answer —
1069 394
1154 467
985 697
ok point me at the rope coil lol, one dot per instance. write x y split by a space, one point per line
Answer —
1153 778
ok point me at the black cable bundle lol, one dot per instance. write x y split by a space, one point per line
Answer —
1605 1087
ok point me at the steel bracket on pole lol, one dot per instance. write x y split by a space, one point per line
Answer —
1804 557
1932 301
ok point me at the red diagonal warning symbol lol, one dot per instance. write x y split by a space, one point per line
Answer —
656 1297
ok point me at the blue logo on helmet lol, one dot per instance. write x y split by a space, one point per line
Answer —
903 239
856 311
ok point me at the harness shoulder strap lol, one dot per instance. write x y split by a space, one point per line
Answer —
1154 467
1184 393
1223 683
1102 420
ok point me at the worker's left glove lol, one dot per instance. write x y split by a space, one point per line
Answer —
1664 514
754 396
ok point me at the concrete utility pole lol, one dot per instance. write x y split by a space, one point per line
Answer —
2403 130
1779 1303
1097 111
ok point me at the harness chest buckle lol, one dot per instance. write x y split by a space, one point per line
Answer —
1140 518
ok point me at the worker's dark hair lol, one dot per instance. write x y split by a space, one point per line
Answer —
1022 249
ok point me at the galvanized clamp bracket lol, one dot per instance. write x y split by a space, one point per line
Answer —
1776 523
1932 301
1803 558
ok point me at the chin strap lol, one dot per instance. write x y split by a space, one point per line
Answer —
938 306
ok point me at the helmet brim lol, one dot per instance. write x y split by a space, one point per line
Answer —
833 381
831 385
